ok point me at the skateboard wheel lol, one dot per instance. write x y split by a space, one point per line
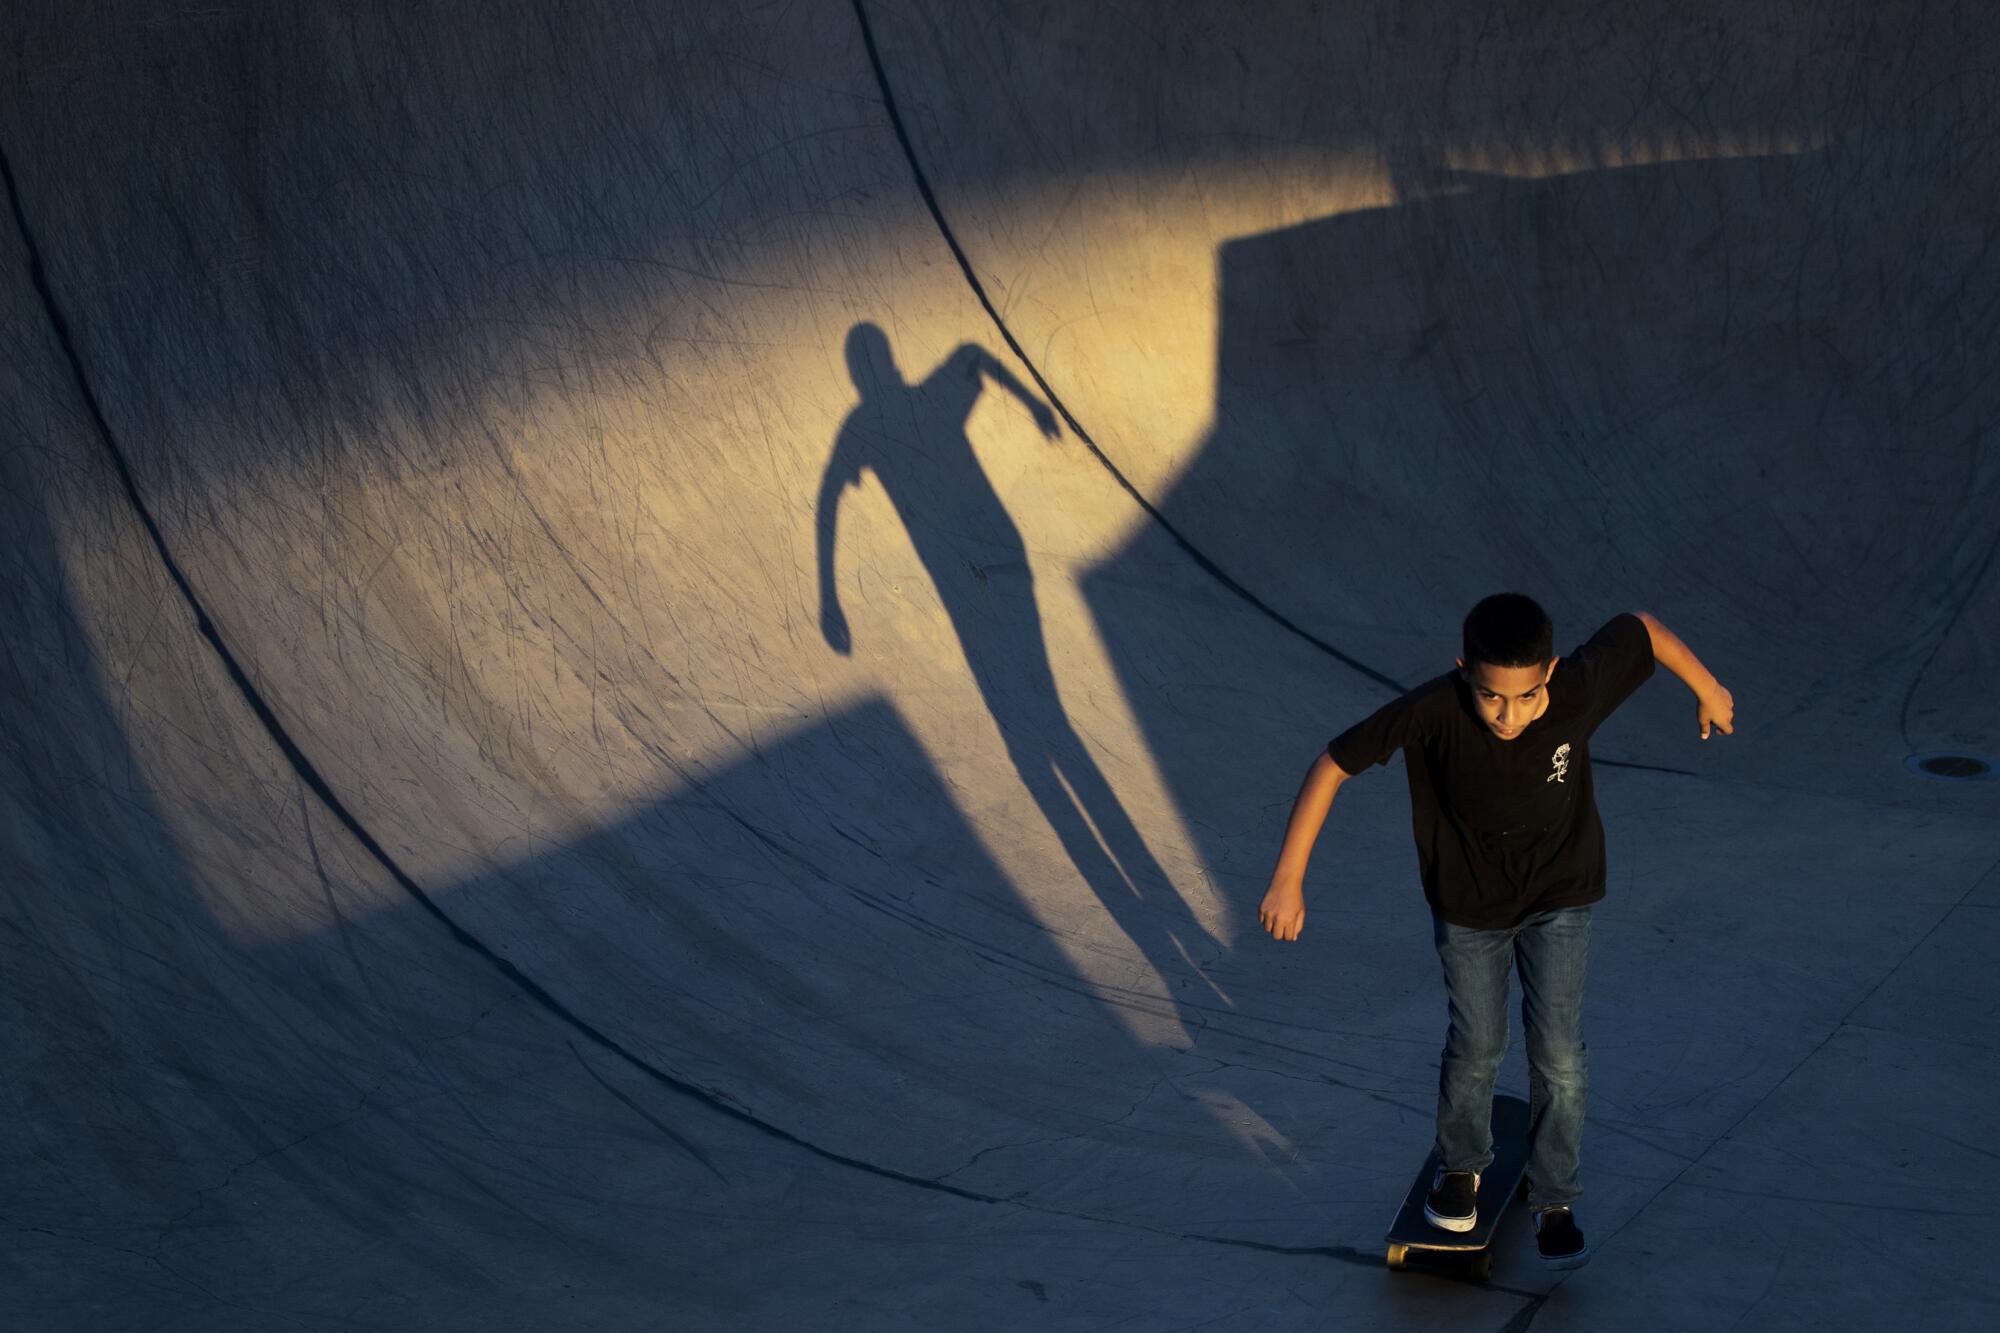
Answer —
1399 1257
1482 1267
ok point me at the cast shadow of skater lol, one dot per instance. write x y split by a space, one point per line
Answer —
913 436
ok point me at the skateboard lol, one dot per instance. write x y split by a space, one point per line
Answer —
1413 1240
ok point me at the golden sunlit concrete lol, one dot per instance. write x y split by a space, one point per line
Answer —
768 769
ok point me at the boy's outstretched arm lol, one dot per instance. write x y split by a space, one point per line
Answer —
1715 706
1283 911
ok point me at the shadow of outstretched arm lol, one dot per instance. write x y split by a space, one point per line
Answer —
843 469
994 369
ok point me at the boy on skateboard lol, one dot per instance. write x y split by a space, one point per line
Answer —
1511 852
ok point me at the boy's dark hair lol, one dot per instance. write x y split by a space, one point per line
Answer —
1509 630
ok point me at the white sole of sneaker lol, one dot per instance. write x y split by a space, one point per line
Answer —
1450 1223
1455 1223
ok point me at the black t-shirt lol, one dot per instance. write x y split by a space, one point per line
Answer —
1506 828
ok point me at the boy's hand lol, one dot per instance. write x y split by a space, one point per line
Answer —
1283 911
1717 709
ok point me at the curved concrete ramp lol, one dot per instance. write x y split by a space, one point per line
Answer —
654 655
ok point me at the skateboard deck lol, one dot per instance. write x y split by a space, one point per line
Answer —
1413 1239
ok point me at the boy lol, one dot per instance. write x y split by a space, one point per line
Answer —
1512 856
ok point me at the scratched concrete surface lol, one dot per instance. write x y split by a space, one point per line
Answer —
654 654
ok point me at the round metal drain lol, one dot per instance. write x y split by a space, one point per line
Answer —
1951 767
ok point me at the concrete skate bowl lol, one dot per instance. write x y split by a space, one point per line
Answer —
655 654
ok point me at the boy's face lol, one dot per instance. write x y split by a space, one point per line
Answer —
1508 698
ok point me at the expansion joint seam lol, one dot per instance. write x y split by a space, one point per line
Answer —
1180 539
1200 558
310 776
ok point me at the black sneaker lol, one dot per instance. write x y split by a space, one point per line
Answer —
1453 1204
1559 1239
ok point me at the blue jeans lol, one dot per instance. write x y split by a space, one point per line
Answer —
1550 949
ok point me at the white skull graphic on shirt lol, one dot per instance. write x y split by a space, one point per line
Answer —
1559 762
